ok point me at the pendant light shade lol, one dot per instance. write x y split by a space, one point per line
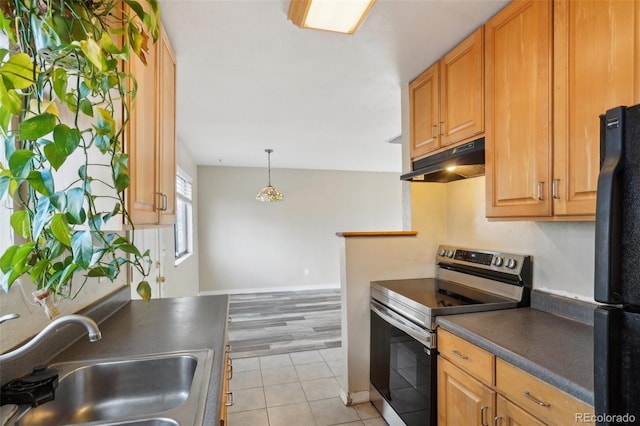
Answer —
269 193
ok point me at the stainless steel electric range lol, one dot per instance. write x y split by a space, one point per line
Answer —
403 324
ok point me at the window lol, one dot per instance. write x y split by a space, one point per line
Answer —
183 228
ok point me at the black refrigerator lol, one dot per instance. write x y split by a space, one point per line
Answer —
617 270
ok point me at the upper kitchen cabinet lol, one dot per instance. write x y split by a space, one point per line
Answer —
462 91
446 101
518 48
166 171
596 64
151 140
425 112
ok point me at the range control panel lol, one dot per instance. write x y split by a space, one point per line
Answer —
491 260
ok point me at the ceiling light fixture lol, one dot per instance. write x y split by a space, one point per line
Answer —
343 16
269 193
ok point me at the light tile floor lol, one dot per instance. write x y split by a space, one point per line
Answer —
295 389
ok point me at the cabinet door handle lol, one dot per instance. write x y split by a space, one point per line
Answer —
229 399
163 203
540 185
497 419
530 397
230 370
433 131
482 416
459 355
441 127
554 189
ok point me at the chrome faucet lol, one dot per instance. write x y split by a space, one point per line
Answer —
90 325
8 317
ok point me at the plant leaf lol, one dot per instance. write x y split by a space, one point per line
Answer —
41 217
54 156
9 279
82 248
121 182
67 274
66 139
59 201
8 184
37 126
10 100
105 124
75 201
37 270
86 107
6 260
100 271
60 229
18 71
60 82
144 290
129 248
20 162
41 181
20 258
92 51
20 223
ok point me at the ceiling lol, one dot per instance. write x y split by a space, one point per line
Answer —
249 79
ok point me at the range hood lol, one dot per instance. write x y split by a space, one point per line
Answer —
462 162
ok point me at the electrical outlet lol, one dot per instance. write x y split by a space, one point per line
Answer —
306 272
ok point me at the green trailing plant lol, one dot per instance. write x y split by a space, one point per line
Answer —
64 98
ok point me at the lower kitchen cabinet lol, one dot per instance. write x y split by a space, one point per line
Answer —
509 414
462 400
227 395
477 388
537 397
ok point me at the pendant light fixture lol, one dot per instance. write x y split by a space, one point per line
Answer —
269 193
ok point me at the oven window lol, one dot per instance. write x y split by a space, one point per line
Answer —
404 373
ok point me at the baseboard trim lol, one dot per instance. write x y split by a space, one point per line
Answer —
352 398
269 289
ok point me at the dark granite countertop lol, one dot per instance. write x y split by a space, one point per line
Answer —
164 325
552 348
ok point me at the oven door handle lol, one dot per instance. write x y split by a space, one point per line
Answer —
421 335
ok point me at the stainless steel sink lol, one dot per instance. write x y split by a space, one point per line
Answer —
164 389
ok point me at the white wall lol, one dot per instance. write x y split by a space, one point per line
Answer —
182 279
563 252
247 245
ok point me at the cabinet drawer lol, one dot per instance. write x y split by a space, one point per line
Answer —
467 356
538 397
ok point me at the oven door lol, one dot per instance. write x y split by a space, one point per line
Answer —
403 369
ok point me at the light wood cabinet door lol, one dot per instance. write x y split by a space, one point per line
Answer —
462 400
462 90
141 140
596 44
509 414
166 171
538 397
424 98
518 48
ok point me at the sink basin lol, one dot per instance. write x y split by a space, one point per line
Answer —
129 391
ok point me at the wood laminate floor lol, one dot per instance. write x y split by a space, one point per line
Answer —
283 322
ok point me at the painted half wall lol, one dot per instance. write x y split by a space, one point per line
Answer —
245 245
